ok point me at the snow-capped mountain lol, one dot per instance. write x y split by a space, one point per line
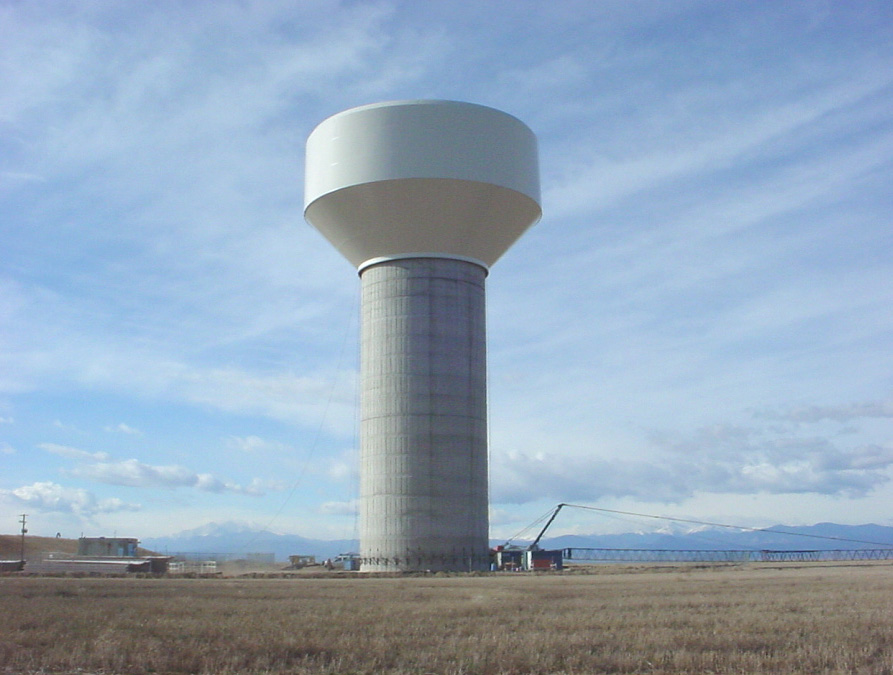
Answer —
235 539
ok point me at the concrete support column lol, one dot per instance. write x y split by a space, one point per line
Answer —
423 435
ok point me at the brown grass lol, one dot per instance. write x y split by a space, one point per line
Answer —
35 547
818 619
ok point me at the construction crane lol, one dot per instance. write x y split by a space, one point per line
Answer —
534 545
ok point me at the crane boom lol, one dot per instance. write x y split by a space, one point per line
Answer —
533 545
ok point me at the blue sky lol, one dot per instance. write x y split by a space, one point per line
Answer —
700 326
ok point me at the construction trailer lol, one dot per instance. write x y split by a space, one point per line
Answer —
516 559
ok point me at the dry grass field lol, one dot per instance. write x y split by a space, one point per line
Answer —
750 619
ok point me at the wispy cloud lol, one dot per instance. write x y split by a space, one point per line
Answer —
313 400
133 473
255 445
59 424
746 136
20 176
838 413
73 453
348 508
122 428
249 444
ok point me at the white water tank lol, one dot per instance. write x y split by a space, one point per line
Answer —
423 197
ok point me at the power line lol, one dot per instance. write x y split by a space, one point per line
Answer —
536 522
732 527
727 556
316 437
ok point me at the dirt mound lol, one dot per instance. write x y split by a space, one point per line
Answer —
35 547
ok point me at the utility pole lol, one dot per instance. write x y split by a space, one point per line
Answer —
22 557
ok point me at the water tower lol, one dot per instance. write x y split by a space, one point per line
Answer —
422 197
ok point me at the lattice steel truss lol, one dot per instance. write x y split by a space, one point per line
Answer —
660 555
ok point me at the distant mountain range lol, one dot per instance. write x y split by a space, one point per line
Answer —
823 536
233 540
238 540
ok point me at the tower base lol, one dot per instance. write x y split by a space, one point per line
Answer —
423 435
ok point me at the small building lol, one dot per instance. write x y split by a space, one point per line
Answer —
108 555
114 547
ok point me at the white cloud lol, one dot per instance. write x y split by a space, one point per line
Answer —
256 444
124 429
247 443
72 453
6 420
133 473
209 483
345 466
7 449
718 459
348 508
49 497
